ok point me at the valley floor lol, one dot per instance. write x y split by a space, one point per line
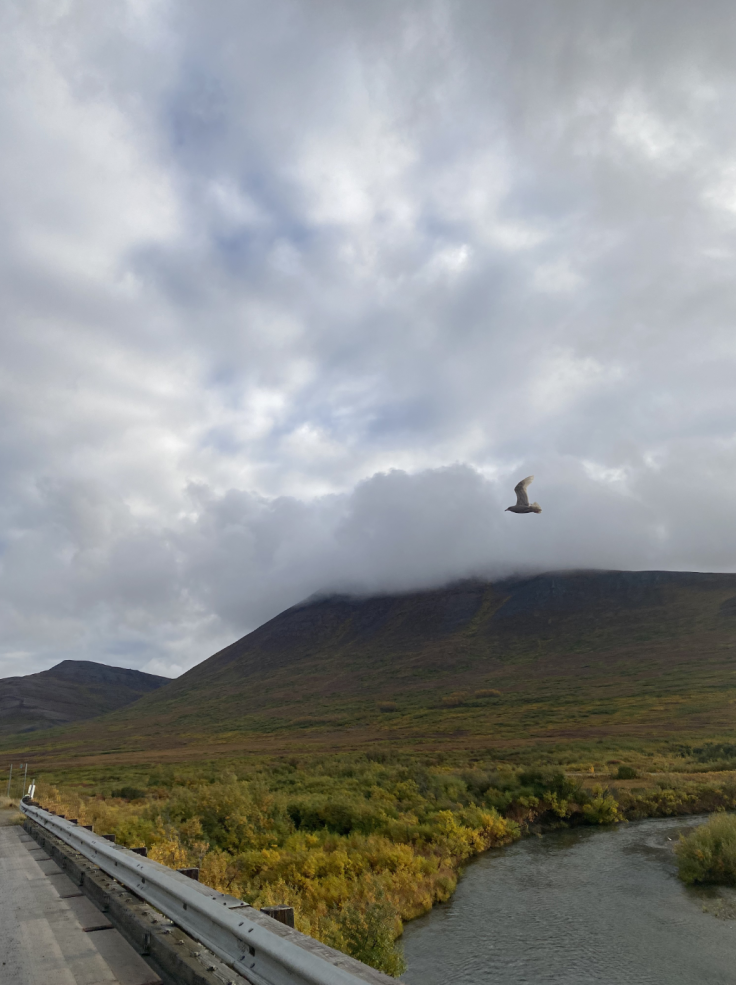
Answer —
358 843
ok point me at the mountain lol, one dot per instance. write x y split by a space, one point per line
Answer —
575 657
70 691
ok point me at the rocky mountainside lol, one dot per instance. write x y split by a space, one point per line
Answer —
69 692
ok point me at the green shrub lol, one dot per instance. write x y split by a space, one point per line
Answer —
545 781
338 816
626 773
368 933
128 793
602 809
161 777
714 751
708 854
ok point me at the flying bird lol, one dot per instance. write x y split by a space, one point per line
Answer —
522 500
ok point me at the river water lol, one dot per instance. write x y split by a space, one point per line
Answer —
578 907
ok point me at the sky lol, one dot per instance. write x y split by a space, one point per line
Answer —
294 293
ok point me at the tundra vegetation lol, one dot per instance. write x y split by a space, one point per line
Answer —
356 844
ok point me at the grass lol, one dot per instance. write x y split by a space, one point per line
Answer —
9 813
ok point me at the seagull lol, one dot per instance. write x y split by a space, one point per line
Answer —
522 500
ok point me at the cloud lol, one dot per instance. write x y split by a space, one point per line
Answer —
108 587
294 294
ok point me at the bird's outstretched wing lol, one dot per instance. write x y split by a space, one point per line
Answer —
520 489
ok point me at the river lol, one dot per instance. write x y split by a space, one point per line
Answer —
578 907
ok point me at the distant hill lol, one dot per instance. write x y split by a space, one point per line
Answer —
69 692
574 657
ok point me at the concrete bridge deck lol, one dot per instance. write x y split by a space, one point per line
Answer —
50 933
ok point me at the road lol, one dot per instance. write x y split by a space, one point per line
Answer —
50 933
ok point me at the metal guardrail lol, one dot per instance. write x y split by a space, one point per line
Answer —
220 922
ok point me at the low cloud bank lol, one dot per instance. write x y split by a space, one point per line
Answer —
120 589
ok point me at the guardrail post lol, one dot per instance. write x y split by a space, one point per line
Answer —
284 914
190 873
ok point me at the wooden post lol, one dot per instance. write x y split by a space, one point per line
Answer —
284 914
191 873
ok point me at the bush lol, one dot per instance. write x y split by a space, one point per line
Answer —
714 751
545 781
368 933
128 793
626 773
454 700
338 816
161 777
602 809
708 854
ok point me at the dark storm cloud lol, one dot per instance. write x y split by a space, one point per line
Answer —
295 293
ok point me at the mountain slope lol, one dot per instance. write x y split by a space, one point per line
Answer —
71 691
576 657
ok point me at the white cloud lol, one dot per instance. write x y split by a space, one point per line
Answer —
558 277
257 256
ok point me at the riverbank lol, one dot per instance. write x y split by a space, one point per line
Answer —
358 847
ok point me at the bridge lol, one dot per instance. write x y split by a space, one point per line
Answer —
77 909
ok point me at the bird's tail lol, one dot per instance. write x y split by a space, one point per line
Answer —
536 507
